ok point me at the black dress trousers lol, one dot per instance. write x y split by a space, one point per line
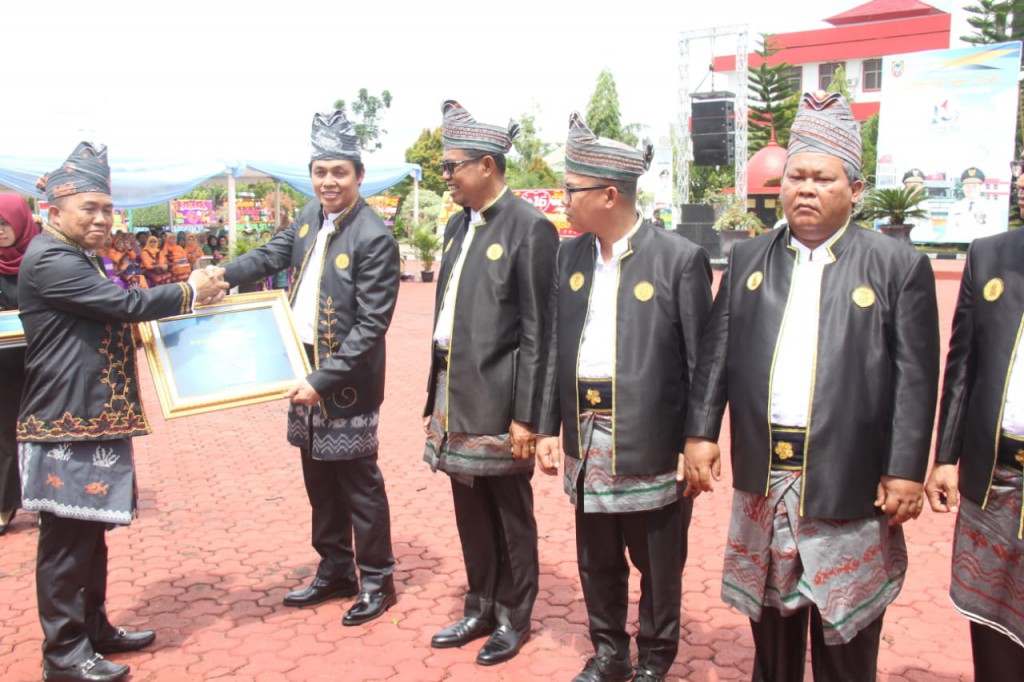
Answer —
498 533
71 588
348 500
12 379
656 541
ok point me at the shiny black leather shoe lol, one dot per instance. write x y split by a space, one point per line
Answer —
370 605
321 590
95 669
605 669
647 675
503 644
463 632
123 641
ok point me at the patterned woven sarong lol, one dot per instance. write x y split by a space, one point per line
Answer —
464 455
603 491
332 440
988 558
850 570
86 480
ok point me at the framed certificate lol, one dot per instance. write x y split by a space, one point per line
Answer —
240 351
12 334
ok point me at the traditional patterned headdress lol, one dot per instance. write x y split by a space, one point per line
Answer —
825 124
86 170
459 130
599 157
333 137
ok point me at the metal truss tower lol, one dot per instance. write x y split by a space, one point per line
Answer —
684 148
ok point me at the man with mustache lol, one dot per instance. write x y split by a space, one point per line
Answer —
824 342
484 379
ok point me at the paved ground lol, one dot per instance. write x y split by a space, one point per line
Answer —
223 535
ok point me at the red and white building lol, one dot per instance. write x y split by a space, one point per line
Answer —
857 41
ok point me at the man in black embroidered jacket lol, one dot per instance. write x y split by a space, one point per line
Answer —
80 409
346 267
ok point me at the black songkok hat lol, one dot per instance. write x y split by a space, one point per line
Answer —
333 137
86 170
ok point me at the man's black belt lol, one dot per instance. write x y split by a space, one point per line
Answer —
595 395
788 448
1011 451
440 358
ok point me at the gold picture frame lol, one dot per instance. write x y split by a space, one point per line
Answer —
12 333
240 351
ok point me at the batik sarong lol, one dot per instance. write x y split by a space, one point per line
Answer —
332 440
85 480
988 558
603 491
462 455
850 570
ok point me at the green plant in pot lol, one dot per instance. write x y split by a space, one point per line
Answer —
898 206
425 243
244 244
734 223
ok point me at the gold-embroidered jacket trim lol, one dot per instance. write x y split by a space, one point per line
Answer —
109 424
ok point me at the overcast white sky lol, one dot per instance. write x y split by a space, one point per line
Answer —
241 80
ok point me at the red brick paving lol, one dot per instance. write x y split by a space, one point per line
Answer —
224 534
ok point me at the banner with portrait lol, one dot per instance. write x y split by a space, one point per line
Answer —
947 126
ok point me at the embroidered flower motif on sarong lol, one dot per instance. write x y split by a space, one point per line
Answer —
97 488
784 450
54 481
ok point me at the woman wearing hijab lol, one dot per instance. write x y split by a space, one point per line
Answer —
174 257
224 248
154 267
16 230
211 245
192 251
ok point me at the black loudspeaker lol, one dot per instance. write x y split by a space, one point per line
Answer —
695 223
712 129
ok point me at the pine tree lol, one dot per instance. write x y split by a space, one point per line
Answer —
771 99
603 112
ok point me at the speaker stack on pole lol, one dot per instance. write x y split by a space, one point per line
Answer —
712 128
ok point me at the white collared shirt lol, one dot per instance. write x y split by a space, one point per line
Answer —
793 374
597 352
446 316
306 296
1013 409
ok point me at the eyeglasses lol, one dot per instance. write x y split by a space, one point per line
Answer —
448 167
1017 169
569 191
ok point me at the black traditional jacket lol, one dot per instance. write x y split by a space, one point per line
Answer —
81 382
494 359
987 330
662 304
357 284
875 377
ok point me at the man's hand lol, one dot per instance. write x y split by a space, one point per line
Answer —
901 499
426 424
302 393
549 453
700 463
209 288
943 488
523 445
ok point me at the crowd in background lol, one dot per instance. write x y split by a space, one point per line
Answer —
149 258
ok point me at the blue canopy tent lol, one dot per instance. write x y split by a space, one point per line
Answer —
146 181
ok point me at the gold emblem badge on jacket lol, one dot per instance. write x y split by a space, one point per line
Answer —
755 279
304 230
341 262
576 281
993 289
494 251
863 297
644 291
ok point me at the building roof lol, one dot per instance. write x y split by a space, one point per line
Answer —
858 41
883 10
